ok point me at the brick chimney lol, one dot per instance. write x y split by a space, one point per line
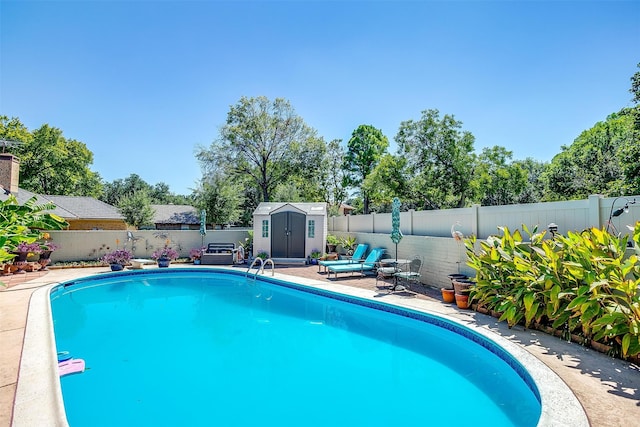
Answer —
9 172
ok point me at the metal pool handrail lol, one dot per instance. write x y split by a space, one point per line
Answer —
262 264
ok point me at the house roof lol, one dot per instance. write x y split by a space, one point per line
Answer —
83 207
175 214
266 208
70 207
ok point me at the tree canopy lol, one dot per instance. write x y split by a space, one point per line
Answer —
136 208
50 163
221 198
593 163
440 160
365 148
263 142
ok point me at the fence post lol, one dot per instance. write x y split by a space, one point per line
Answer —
411 212
475 220
594 210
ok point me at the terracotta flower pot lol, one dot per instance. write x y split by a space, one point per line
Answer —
448 295
462 301
462 285
457 276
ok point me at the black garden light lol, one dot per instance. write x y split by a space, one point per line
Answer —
619 211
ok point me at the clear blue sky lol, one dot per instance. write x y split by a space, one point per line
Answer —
142 83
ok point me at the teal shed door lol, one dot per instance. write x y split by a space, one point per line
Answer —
287 235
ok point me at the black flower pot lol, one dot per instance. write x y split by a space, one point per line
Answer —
117 267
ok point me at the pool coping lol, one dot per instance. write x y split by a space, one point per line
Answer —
39 386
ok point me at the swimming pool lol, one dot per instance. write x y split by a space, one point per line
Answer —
388 385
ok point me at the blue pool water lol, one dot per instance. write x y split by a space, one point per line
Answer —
208 348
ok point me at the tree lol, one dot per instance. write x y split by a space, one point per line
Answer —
497 180
159 193
52 164
630 151
262 141
534 189
288 192
635 86
13 132
386 181
221 198
136 208
119 188
332 176
364 150
592 163
440 160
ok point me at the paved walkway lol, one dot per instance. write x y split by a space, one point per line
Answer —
609 389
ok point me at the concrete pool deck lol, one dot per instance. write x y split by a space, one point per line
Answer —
607 388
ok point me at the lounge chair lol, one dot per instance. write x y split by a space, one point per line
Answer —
368 264
358 256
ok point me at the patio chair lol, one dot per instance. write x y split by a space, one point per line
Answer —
412 274
358 256
368 264
385 271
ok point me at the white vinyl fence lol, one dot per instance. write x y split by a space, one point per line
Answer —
483 221
427 234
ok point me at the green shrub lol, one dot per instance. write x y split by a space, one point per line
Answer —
583 283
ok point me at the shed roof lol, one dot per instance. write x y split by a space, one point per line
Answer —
267 208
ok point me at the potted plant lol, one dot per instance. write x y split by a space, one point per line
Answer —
262 254
117 259
196 255
348 244
332 243
164 255
24 250
45 256
315 254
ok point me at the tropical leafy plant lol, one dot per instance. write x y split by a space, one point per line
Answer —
582 283
348 244
18 223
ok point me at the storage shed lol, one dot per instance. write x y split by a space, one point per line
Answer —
289 230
